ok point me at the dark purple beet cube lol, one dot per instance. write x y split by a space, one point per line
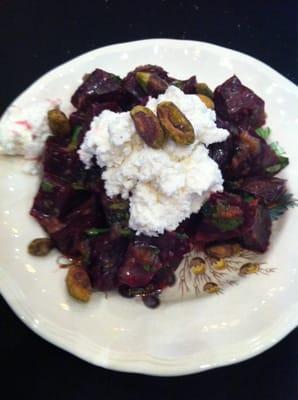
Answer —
116 210
173 246
222 217
257 231
99 86
238 104
96 108
131 85
82 218
189 86
106 256
53 197
78 118
268 189
62 161
251 156
222 152
140 264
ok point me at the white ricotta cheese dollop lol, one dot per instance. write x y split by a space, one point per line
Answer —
163 186
23 130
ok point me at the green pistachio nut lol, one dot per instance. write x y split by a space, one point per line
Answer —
175 124
148 127
207 101
203 88
151 83
58 122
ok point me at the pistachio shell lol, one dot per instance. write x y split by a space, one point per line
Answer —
148 127
174 123
78 283
58 122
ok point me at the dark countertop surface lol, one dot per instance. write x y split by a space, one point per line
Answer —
36 36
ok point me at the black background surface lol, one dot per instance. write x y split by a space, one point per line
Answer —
36 36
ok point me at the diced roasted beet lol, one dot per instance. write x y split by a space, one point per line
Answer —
223 217
93 180
50 224
247 149
173 246
116 210
54 197
238 104
269 159
138 96
82 218
229 126
84 118
99 86
62 161
106 255
188 86
269 189
257 231
131 85
252 155
78 118
222 152
140 265
94 109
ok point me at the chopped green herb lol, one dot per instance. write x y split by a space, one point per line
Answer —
96 231
274 169
47 186
182 236
285 202
264 132
73 145
233 185
279 151
86 257
147 267
77 186
120 205
126 232
247 197
283 161
227 224
177 83
208 209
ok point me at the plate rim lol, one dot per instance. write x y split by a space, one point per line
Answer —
141 362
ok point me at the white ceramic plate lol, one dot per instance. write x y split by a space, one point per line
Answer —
184 335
